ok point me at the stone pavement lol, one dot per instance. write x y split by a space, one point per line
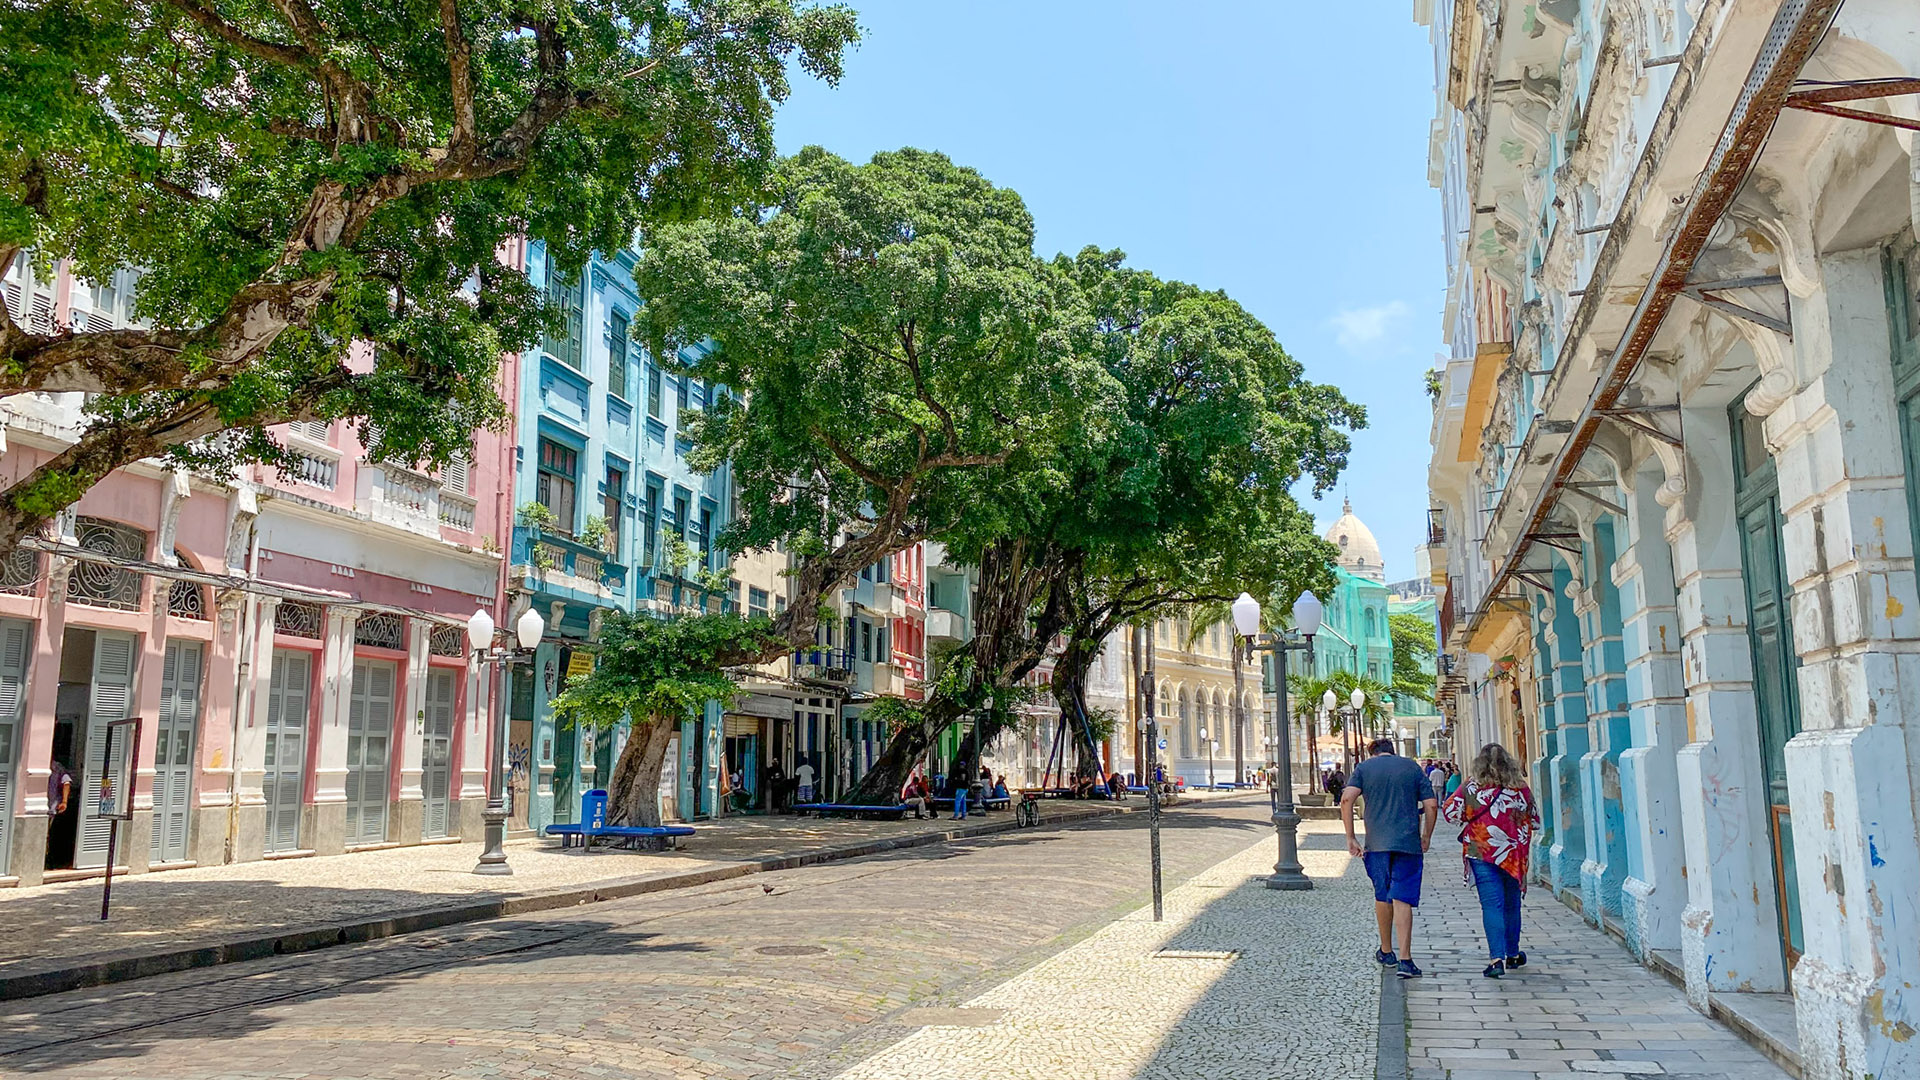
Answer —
1239 983
1581 1007
52 936
803 973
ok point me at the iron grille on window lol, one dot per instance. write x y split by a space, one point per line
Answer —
185 600
100 584
448 641
295 619
20 574
380 630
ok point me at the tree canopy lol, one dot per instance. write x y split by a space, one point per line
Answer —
316 194
1415 647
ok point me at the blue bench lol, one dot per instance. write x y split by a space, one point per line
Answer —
946 803
593 826
825 809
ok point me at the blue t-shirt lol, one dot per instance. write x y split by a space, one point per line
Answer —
1394 789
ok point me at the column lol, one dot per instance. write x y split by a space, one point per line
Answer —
1542 764
1604 871
330 771
250 749
1567 854
1729 936
475 741
1851 772
1654 893
410 730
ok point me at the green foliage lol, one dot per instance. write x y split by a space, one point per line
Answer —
596 532
660 668
1304 695
894 349
535 515
295 181
1414 650
1101 724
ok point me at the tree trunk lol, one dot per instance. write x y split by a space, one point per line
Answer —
1070 692
633 795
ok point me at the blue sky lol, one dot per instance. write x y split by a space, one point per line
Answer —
1275 149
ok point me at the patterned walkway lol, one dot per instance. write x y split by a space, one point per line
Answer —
1581 1006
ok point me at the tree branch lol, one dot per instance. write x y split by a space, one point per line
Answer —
272 51
459 78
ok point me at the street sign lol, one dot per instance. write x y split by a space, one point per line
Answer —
1163 744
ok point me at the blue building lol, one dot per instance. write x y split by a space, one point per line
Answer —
603 487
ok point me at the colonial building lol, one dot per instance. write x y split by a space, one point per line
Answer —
290 641
1676 472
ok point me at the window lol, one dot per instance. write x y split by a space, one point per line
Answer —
617 355
680 517
756 601
556 484
563 344
706 538
866 641
612 504
454 477
650 524
933 594
883 647
653 390
680 388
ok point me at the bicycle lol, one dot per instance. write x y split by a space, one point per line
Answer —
1027 814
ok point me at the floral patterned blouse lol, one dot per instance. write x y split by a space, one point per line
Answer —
1496 826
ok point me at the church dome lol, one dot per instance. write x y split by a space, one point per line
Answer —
1359 551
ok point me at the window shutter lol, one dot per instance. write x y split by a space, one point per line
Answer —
454 477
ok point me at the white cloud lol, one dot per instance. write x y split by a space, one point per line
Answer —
1362 330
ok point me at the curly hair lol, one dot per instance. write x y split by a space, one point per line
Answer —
1493 766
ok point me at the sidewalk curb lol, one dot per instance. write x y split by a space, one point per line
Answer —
127 965
1390 1060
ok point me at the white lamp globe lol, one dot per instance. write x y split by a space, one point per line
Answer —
1246 615
1357 699
1329 700
1306 614
479 630
530 629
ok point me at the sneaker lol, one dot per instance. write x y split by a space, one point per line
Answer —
1385 958
1517 960
1493 970
1407 970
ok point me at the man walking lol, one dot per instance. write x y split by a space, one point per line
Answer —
1401 813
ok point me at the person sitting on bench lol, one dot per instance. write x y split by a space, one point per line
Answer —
1000 788
916 795
1117 787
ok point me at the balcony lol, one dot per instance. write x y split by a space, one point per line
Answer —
944 625
1437 526
823 665
456 511
557 563
889 680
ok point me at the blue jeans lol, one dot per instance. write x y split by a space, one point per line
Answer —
959 803
1499 908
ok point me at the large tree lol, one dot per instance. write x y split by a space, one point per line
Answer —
1415 646
316 193
901 364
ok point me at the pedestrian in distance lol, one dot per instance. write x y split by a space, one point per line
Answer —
914 794
1453 780
1400 815
1496 814
803 777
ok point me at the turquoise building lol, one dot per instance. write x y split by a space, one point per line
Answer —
602 485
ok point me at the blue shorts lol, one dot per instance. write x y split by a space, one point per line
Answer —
1396 876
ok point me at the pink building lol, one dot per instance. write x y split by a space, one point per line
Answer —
292 644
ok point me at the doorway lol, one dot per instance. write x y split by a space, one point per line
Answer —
95 689
1770 636
283 784
369 749
436 754
179 721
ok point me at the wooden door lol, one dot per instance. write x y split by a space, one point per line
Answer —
284 782
369 750
174 735
436 754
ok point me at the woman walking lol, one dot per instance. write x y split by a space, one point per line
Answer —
1496 814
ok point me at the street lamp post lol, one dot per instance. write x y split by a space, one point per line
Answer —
528 631
1287 872
1210 745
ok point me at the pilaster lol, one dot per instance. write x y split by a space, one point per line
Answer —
330 769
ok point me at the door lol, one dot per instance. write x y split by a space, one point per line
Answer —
436 754
284 782
179 720
109 699
1775 663
16 644
369 750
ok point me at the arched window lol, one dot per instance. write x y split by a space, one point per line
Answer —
1370 624
185 600
103 584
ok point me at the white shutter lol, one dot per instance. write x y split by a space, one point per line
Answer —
356 747
16 642
173 750
454 477
286 741
112 697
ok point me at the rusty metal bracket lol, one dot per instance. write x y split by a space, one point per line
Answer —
1702 292
1821 100
1630 418
1528 576
1579 488
1556 540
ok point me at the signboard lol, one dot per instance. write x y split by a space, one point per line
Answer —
116 770
579 663
1163 744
